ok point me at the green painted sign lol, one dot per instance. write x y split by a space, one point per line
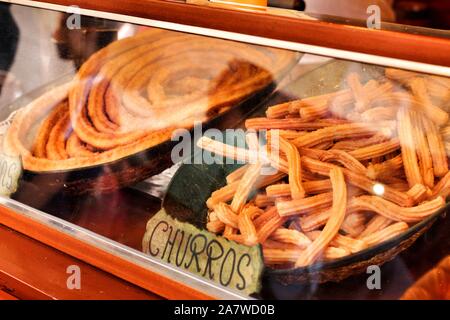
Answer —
10 172
213 257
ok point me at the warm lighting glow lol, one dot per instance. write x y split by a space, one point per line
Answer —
125 31
378 189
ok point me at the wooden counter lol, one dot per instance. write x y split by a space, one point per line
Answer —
31 270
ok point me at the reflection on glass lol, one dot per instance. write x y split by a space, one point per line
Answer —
358 154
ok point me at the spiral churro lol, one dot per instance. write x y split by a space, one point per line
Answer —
132 94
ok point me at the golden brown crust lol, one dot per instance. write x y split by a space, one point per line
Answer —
56 144
406 137
333 224
77 148
123 98
40 144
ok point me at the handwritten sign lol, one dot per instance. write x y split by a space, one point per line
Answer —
225 262
10 171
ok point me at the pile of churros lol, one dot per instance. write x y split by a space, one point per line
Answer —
351 169
132 94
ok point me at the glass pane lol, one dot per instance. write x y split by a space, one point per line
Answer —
424 17
332 168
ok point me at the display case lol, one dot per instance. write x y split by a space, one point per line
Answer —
156 149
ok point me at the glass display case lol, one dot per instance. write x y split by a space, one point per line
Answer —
234 153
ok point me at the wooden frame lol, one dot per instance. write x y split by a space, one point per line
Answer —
103 260
412 47
32 270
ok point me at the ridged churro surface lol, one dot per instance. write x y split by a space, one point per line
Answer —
132 94
355 168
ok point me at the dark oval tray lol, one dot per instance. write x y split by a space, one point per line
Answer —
193 184
136 167
139 166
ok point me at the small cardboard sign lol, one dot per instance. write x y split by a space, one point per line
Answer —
215 258
10 172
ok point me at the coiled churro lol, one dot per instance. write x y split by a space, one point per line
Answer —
132 94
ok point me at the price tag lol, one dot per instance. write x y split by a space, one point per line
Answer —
10 172
215 258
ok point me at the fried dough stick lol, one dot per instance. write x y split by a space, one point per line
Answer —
315 166
263 201
318 107
311 187
286 124
393 211
294 237
346 159
237 174
269 226
437 148
442 188
276 256
361 100
375 150
226 215
354 224
375 224
352 144
246 185
423 150
340 241
386 169
246 226
305 205
340 131
386 233
295 169
313 252
408 145
400 75
227 192
229 151
436 114
360 181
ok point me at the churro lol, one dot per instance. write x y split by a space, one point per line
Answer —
295 169
353 181
333 224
